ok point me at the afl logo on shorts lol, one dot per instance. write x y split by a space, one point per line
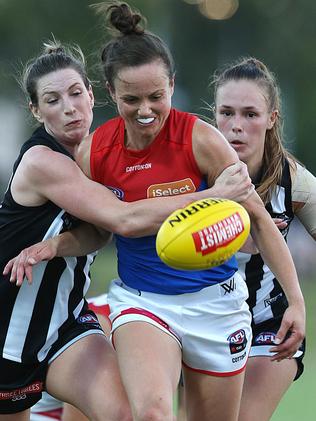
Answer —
88 318
237 341
118 192
265 338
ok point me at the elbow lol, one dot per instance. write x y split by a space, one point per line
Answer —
127 229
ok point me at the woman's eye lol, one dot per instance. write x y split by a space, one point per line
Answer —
226 113
156 97
130 100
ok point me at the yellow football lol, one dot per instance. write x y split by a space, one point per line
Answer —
203 235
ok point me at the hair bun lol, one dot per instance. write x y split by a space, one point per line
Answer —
251 61
53 47
122 18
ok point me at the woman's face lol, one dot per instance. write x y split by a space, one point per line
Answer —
143 98
242 115
64 106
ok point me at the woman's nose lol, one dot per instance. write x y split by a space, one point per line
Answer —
144 109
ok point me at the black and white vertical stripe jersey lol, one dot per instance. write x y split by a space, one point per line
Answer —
266 297
33 316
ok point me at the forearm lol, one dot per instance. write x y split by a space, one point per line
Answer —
249 246
80 241
69 188
144 217
276 255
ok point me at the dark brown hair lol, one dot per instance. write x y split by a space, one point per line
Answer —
54 56
131 43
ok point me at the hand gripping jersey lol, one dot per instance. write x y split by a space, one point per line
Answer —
165 168
33 316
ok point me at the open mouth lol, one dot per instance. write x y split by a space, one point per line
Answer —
146 121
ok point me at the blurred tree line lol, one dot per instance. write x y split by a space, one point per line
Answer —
281 33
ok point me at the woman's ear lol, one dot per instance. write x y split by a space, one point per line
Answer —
272 119
90 92
111 91
36 112
171 84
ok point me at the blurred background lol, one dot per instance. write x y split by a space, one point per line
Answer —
202 35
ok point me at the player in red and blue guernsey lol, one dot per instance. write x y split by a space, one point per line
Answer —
164 319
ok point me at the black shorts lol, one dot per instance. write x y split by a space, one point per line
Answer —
21 384
263 339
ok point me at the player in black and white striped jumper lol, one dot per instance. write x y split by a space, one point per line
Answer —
247 110
49 340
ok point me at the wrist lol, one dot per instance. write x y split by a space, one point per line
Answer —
296 299
59 245
212 192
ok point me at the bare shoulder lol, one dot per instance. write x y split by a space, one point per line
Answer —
82 154
211 150
204 132
41 163
39 166
303 187
304 198
303 183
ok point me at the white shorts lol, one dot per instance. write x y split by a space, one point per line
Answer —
54 414
51 415
47 408
212 326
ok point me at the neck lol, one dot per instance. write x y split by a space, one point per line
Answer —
137 143
255 171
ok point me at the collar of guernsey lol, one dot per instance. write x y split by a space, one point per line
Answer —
166 167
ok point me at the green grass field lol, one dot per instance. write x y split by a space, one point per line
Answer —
300 401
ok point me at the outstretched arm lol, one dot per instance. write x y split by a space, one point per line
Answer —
233 181
55 177
212 151
276 255
78 242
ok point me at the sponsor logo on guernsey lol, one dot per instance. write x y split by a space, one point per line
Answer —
269 301
171 189
218 235
118 192
21 393
265 338
88 318
237 341
139 167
